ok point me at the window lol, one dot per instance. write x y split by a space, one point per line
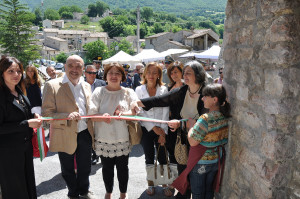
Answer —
151 41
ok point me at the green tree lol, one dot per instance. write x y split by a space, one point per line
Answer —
113 27
16 34
157 28
92 10
38 17
208 24
94 49
61 57
101 7
123 45
85 20
144 29
75 8
64 9
67 15
51 14
221 31
146 13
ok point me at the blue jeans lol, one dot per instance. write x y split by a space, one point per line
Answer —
202 178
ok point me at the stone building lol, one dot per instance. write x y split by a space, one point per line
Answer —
56 43
192 40
53 24
262 78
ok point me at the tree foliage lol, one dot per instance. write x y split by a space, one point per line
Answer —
113 27
61 57
38 17
94 49
51 14
67 15
97 9
85 20
123 45
147 13
16 34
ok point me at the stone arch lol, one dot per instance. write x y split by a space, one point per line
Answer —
262 75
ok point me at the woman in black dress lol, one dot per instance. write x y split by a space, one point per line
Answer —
16 123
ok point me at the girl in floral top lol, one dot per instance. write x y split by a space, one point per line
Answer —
211 131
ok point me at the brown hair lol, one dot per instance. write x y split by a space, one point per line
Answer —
159 80
35 76
5 63
176 64
218 91
110 66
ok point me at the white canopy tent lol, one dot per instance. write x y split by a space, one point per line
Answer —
173 51
212 53
122 58
188 55
149 55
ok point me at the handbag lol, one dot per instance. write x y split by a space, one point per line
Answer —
164 174
181 148
135 132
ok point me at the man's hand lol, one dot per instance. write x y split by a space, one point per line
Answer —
74 116
34 123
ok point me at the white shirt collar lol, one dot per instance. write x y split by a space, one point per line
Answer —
66 80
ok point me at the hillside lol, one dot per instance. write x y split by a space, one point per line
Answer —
178 7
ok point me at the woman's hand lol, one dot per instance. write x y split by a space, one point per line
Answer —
107 120
134 106
158 131
162 140
74 116
174 125
34 123
36 116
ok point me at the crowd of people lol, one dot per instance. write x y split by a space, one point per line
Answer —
197 112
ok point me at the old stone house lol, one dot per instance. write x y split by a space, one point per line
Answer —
70 40
184 39
53 24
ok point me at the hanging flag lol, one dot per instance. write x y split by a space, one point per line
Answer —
43 147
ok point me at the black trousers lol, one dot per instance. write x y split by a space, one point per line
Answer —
17 172
170 144
77 183
108 165
148 141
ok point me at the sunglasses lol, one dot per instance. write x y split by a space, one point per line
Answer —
91 73
220 73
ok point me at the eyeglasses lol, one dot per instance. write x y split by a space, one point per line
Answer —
91 73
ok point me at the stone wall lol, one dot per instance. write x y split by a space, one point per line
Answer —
262 77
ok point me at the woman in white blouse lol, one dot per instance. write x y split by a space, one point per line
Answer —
112 136
154 134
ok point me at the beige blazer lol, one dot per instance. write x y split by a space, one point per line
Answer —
59 102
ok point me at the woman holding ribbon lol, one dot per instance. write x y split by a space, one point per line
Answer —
154 134
207 139
184 102
111 135
16 123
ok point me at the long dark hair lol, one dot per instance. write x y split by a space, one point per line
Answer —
5 63
176 64
218 91
36 78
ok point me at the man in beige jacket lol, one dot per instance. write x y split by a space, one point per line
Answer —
68 97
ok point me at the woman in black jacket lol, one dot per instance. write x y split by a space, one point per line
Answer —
16 123
184 102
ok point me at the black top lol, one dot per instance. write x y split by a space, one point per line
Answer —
34 95
175 100
136 81
14 129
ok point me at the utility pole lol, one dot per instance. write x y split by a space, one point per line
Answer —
138 30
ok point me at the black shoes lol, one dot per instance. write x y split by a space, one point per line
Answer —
95 160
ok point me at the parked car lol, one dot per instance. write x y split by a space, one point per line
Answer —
59 66
52 63
43 62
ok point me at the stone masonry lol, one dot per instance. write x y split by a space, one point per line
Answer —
262 76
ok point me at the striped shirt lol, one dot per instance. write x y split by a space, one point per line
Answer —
211 130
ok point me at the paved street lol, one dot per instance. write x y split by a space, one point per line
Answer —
50 184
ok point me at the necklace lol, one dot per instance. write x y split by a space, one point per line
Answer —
195 91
